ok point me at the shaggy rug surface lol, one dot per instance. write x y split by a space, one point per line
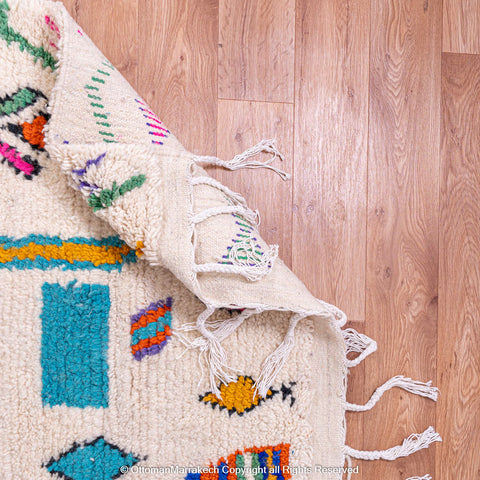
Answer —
147 331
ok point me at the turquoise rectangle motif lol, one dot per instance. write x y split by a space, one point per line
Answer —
74 345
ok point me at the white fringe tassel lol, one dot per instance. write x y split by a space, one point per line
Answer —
242 160
244 257
213 332
244 261
275 361
235 197
339 316
412 444
412 386
254 266
349 473
349 465
216 357
249 215
358 343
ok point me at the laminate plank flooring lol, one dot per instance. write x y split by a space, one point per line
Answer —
380 132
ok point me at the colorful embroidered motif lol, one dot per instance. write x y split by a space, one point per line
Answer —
54 28
264 463
78 175
26 164
107 196
287 392
10 36
19 100
94 94
44 253
94 161
154 123
74 345
138 250
151 328
21 138
99 460
247 251
31 133
239 397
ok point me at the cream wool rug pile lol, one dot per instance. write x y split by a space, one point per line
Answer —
147 331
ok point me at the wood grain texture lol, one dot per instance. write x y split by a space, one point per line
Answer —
256 50
402 228
461 26
458 413
331 129
355 394
363 129
178 61
117 39
243 124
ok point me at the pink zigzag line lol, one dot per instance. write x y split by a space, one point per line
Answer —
52 25
152 118
145 110
15 159
156 126
155 119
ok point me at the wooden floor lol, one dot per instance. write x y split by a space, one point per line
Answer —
376 104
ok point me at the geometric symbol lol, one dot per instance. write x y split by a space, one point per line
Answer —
78 175
77 253
240 397
287 391
31 133
15 111
22 98
246 250
74 345
96 460
264 463
93 161
10 35
26 164
106 197
93 90
151 328
153 122
53 26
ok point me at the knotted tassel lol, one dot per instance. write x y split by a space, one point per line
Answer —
243 160
412 386
412 444
358 343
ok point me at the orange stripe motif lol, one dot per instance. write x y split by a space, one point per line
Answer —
231 460
148 342
150 329
151 316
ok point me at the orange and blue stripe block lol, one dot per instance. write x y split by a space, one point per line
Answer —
151 328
